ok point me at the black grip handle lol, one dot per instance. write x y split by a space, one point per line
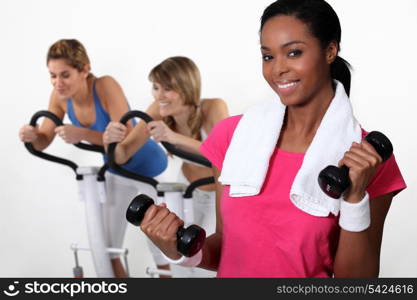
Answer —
47 114
195 184
112 148
40 154
58 122
195 158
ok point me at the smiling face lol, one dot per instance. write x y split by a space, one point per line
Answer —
295 64
171 103
176 86
65 79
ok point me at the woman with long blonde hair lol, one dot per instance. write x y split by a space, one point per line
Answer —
181 118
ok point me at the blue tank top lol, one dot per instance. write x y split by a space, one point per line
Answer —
150 160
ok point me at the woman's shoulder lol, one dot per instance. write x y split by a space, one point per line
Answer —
210 104
388 177
109 92
105 82
56 103
213 110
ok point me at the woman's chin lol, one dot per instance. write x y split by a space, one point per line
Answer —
291 101
64 96
164 113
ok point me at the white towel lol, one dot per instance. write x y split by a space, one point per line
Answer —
254 140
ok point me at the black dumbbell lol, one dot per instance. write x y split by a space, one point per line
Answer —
335 181
189 240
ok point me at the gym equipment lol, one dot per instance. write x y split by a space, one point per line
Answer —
93 193
335 181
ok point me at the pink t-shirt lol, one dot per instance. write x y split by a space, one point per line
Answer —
266 235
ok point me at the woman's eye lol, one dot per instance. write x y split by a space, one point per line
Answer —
64 75
266 57
295 53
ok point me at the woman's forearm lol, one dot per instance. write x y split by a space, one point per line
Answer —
188 144
355 255
41 142
120 155
92 136
358 253
135 139
211 252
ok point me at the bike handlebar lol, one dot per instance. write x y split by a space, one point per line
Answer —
195 158
53 158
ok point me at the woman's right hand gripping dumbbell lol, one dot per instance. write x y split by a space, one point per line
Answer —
164 228
161 226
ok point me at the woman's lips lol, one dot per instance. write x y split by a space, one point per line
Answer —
287 87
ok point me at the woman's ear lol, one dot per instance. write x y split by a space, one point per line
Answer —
332 51
86 70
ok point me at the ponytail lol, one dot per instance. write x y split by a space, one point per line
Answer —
340 70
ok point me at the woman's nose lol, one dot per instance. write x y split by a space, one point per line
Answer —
279 67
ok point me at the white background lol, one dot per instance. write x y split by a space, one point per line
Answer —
39 212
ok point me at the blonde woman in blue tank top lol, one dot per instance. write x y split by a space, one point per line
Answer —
91 103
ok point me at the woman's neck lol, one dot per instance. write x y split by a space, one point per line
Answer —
304 120
82 96
181 119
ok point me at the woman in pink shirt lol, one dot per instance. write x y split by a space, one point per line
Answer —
266 235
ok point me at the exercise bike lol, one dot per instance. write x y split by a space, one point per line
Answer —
92 191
